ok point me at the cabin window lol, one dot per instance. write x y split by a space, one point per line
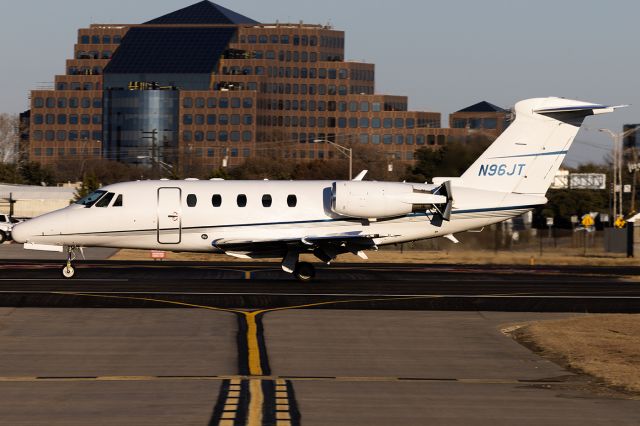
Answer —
104 201
118 201
242 200
90 199
192 200
266 200
292 200
216 200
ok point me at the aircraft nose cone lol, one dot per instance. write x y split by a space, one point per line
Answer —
21 232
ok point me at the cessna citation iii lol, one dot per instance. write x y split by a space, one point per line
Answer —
260 219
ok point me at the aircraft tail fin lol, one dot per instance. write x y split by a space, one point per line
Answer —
526 156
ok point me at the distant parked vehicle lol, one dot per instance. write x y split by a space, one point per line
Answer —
5 227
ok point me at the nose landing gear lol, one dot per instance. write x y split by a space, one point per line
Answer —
68 271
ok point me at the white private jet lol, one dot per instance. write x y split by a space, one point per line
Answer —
259 219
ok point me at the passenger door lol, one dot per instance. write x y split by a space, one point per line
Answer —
169 215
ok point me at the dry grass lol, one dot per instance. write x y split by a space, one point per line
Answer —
478 257
604 346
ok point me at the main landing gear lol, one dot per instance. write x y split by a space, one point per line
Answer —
68 271
304 272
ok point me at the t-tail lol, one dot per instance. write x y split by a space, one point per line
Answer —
526 156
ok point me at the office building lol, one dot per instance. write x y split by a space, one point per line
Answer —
205 85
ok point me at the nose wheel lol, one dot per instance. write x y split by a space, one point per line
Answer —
68 271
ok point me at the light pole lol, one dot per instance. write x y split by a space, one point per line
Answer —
617 138
348 152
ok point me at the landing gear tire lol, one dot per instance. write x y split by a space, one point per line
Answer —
304 272
68 271
3 237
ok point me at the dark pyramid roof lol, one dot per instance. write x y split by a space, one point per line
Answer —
170 50
483 106
204 12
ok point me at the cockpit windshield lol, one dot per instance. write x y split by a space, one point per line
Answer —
91 199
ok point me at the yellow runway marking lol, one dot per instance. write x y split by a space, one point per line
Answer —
255 404
255 366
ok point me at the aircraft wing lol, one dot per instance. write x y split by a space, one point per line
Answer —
325 247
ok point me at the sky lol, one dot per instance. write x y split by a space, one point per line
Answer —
444 55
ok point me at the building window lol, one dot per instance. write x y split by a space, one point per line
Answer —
96 135
95 39
38 103
61 136
199 119
409 139
235 119
62 119
235 136
96 119
375 106
187 136
364 106
223 103
399 139
246 136
51 102
211 119
73 135
223 119
73 119
84 39
241 200
387 123
490 123
387 139
211 102
211 136
247 119
364 122
106 39
49 152
38 152
37 135
187 119
198 136
223 136
364 138
187 103
199 102
216 199
441 139
73 102
192 200
431 139
38 119
292 200
86 103
50 119
85 119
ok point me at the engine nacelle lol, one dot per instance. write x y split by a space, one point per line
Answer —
378 200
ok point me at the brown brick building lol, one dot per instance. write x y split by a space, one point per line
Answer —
207 85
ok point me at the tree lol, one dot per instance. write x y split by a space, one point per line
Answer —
89 184
9 125
36 174
452 160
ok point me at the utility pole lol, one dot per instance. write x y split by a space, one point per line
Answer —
153 135
618 160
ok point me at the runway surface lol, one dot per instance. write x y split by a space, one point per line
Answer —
245 344
344 286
